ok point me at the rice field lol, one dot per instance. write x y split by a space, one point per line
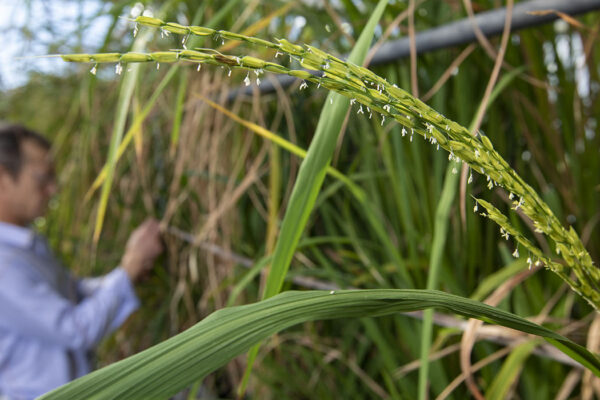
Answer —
431 221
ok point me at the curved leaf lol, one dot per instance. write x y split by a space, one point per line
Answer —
174 364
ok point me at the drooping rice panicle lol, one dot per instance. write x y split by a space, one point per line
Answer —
365 87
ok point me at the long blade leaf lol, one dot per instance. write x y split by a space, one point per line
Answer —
313 168
163 370
310 177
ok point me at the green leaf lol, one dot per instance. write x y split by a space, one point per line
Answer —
164 369
311 176
442 216
314 167
510 371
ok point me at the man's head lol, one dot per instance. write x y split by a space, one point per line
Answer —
26 175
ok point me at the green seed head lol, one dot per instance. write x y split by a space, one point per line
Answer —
149 21
195 55
486 142
290 48
278 69
261 42
135 57
164 56
176 28
252 62
77 57
375 94
202 31
311 61
231 36
106 57
441 139
301 74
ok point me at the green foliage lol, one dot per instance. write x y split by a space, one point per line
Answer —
368 231
164 369
361 85
311 174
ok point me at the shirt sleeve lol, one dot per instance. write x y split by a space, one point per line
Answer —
32 307
88 287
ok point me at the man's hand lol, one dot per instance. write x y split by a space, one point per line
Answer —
142 248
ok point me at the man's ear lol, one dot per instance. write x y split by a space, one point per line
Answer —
7 180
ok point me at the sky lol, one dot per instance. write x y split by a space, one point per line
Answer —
45 22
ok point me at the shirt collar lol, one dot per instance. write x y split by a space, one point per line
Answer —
16 236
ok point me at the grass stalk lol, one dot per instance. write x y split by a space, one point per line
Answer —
437 249
310 178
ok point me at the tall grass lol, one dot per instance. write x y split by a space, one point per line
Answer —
374 92
343 245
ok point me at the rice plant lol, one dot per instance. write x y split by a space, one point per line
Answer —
222 192
172 365
377 95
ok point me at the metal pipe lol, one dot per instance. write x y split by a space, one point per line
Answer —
456 33
491 23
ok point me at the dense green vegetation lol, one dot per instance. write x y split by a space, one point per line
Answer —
203 173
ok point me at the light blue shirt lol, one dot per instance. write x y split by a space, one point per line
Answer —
50 321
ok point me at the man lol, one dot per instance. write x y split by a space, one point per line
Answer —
50 321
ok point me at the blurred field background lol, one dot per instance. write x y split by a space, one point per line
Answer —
212 180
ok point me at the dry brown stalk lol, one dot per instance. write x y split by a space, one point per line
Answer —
449 71
414 83
568 385
468 339
590 383
386 34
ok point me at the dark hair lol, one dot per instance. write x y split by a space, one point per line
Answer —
12 138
